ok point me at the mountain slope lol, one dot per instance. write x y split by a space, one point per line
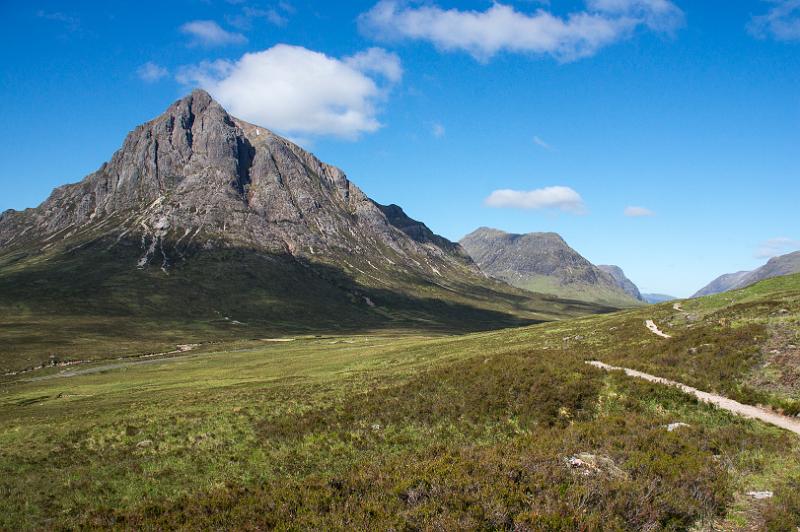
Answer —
543 262
776 266
723 283
203 226
622 280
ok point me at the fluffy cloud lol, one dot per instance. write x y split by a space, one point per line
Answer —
638 212
781 22
151 72
776 246
561 198
208 33
301 92
502 28
437 130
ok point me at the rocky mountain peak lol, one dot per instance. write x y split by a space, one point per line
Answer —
197 176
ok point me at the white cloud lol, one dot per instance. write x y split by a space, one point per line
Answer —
781 22
776 246
208 33
437 130
151 72
377 61
301 92
502 28
558 197
638 212
542 144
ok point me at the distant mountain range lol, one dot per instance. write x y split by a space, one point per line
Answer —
543 262
654 299
776 266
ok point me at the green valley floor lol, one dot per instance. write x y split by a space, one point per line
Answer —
508 429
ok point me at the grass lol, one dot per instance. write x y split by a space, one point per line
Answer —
418 431
545 284
93 302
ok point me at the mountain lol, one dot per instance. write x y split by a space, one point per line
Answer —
626 284
654 299
203 225
723 283
776 266
543 262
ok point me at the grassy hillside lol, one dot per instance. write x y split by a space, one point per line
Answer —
93 302
506 429
599 294
544 263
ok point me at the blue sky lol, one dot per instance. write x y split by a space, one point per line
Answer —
521 115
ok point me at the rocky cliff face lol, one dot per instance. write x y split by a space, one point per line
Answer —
542 262
776 266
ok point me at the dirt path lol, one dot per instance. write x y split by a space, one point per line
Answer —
752 412
655 330
103 368
179 349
